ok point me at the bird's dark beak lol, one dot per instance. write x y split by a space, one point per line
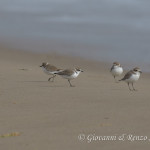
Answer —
140 71
40 66
82 71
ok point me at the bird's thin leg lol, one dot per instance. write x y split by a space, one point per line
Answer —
49 78
53 77
70 83
133 87
129 87
115 79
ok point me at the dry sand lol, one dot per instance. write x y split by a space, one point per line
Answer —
50 116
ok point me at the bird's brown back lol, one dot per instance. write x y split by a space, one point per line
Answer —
51 68
66 72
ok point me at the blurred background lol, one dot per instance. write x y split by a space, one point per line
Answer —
103 30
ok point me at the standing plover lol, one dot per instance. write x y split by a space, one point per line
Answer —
131 77
116 70
70 74
50 70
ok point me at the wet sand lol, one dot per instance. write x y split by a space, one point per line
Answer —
51 115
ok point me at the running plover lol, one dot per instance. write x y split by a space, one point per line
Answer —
116 70
50 70
70 74
131 77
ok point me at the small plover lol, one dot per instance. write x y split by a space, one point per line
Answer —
131 77
70 74
116 70
50 70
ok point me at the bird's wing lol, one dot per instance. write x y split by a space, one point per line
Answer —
112 68
127 75
51 68
66 72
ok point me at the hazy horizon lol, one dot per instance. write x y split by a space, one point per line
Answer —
100 30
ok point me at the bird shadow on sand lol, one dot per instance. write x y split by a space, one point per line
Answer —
55 86
127 90
36 81
117 89
49 84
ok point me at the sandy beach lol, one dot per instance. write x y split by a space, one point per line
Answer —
51 115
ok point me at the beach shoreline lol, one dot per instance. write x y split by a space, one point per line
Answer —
52 115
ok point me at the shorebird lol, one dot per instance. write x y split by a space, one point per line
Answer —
50 70
70 74
116 70
131 77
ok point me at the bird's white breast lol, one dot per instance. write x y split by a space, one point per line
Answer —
47 72
73 76
133 78
117 71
